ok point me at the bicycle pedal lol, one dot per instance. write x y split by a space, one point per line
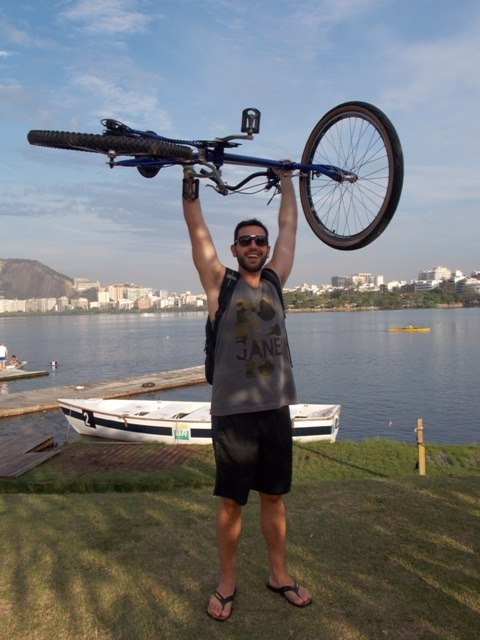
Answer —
190 188
250 121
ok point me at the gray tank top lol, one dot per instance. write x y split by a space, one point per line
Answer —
253 369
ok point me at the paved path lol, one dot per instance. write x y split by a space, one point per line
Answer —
14 404
17 374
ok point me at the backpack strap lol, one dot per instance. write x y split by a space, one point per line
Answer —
229 282
271 276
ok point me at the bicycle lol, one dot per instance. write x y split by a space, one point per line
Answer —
350 173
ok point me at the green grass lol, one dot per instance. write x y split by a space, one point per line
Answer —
117 555
373 458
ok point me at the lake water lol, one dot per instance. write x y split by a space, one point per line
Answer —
384 381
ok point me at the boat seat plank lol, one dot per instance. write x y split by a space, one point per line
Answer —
308 412
172 411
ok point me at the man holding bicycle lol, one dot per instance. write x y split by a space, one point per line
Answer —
252 389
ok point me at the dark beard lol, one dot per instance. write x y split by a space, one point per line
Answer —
250 268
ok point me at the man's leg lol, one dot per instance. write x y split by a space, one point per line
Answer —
229 527
274 526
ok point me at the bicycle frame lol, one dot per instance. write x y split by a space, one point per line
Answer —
350 173
212 154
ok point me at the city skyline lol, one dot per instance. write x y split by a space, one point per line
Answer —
293 285
126 295
437 273
66 65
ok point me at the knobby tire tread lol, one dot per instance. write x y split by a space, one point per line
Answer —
120 145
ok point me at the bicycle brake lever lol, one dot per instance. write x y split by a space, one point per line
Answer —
274 194
272 180
214 176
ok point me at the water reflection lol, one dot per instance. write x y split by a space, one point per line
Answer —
384 381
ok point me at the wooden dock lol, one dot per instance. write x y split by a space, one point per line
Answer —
18 374
19 454
15 404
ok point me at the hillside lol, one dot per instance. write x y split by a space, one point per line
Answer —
22 279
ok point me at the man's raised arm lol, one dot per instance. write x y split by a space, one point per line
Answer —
205 258
284 249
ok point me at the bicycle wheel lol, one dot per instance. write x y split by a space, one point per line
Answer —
360 140
108 144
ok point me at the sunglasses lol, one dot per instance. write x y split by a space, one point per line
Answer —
246 241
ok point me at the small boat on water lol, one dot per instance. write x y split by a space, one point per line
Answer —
19 364
409 329
177 422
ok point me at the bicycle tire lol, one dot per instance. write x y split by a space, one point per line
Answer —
358 138
109 145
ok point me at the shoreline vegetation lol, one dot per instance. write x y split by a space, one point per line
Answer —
307 301
372 540
190 309
354 308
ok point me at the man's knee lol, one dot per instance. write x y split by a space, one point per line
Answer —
230 506
271 499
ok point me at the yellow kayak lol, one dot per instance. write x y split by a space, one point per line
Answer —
410 329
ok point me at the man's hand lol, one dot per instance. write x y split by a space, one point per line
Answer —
190 183
283 172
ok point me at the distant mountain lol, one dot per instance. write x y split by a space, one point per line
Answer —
22 279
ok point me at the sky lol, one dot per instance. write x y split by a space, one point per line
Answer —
187 69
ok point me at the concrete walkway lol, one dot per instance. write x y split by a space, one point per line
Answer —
18 374
14 404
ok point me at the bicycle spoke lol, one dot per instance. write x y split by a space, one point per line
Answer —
349 214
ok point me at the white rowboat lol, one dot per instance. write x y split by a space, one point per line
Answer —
17 365
176 422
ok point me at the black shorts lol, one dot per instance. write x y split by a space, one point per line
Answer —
253 451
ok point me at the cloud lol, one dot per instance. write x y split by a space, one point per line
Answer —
111 17
313 14
15 99
14 35
132 103
22 37
426 70
185 68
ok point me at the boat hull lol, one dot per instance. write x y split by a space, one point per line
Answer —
173 422
409 329
19 365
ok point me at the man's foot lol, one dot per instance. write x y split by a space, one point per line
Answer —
293 593
220 607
